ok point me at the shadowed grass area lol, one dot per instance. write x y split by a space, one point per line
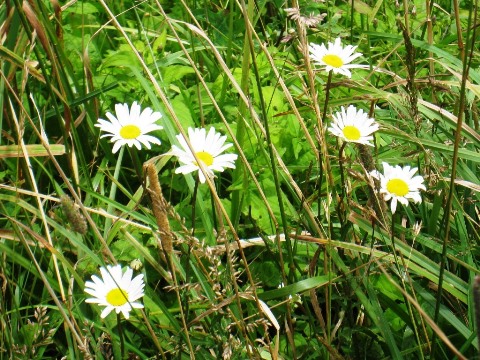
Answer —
296 253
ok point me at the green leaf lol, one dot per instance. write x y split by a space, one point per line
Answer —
296 288
176 72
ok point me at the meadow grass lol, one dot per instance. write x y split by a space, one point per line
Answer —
296 253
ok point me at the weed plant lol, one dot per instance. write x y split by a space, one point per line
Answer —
331 214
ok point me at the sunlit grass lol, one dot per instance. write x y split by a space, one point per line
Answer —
302 242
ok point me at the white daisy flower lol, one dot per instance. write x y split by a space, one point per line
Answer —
335 57
353 125
399 184
207 148
130 127
116 290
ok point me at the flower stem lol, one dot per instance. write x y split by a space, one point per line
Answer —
113 191
194 204
340 205
327 263
120 335
327 95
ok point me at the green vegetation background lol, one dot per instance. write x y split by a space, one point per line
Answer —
282 258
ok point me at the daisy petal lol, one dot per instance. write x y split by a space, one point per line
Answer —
334 57
130 127
207 149
399 184
353 125
116 290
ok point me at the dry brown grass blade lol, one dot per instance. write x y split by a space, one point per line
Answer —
33 150
32 17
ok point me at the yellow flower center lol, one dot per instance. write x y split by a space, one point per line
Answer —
130 132
205 157
397 187
333 60
351 133
117 297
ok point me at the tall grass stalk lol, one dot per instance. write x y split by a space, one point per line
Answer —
471 35
294 253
